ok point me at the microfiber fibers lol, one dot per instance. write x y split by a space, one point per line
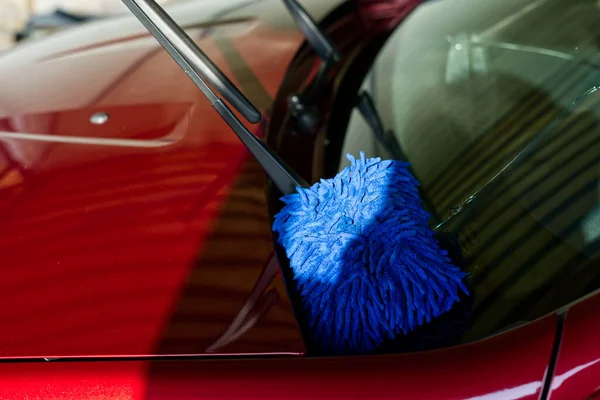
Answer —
366 263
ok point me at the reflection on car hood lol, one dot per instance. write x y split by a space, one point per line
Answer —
133 221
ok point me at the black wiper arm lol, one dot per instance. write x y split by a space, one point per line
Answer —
367 108
314 36
200 68
190 57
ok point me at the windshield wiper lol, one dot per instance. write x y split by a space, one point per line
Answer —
196 64
388 140
301 105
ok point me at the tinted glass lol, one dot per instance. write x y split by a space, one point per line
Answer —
493 103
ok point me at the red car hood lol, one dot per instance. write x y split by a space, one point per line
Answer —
146 234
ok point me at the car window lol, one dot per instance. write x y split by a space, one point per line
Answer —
497 111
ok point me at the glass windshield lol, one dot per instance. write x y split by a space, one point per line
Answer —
494 105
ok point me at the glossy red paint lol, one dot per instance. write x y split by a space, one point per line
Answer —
577 371
149 234
489 369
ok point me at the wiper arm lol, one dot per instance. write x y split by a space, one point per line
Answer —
302 105
201 69
190 57
366 107
314 36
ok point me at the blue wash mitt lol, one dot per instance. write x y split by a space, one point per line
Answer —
367 265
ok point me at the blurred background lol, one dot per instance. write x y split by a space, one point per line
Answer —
25 18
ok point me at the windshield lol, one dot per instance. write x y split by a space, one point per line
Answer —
494 105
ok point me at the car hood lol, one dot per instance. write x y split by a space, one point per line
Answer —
133 221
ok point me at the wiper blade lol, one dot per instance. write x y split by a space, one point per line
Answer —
366 106
314 36
190 57
201 69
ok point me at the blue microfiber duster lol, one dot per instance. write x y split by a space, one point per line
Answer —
366 262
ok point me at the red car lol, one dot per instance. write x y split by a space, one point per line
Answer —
136 253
